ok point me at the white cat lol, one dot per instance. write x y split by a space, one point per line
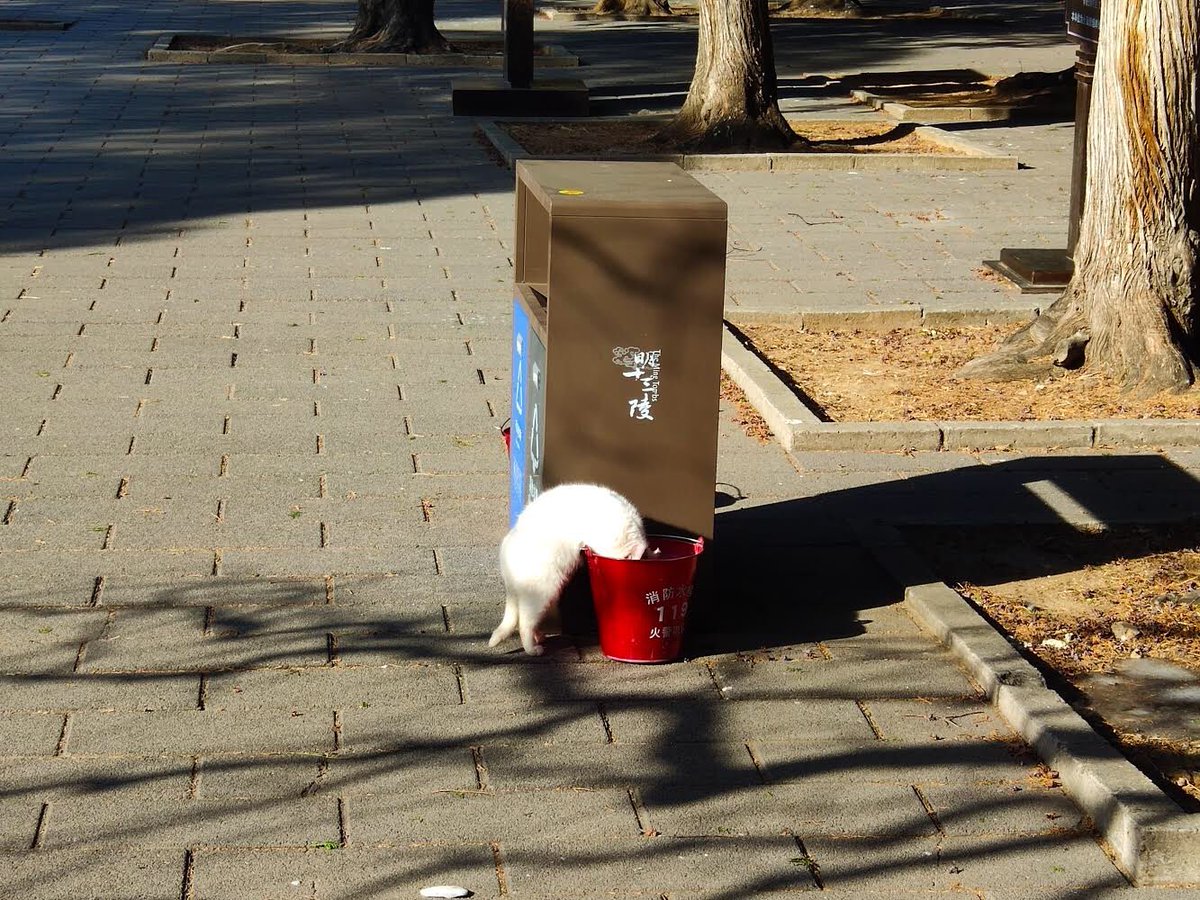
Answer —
540 553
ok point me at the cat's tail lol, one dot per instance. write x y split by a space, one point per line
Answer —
507 627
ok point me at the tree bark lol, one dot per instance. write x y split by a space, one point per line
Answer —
633 7
394 26
1132 301
732 104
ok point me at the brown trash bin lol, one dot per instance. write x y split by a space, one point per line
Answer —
620 282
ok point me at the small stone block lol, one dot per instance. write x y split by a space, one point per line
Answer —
894 436
1017 435
495 97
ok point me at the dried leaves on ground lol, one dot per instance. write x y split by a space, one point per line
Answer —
906 375
641 136
1085 604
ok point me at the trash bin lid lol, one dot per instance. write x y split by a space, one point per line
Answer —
652 190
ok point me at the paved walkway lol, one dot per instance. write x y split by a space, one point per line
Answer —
253 332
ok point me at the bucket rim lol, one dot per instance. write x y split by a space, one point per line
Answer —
697 542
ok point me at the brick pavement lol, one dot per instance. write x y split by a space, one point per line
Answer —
253 333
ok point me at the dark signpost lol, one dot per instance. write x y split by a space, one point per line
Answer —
1044 271
518 43
518 94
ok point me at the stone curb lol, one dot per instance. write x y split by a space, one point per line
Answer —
798 428
1152 839
977 159
554 56
933 115
781 409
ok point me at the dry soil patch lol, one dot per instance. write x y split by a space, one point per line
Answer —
1092 608
636 136
906 375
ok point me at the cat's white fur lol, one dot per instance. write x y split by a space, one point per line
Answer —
542 550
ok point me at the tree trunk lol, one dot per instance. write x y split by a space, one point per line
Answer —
394 26
732 104
633 7
1132 302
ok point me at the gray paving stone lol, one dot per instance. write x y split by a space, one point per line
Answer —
479 817
71 874
264 779
437 769
926 761
30 734
327 561
1041 866
338 687
854 864
44 590
830 806
209 590
852 677
224 823
938 719
135 692
412 592
380 729
62 780
143 640
1003 810
704 769
688 867
19 819
501 682
229 874
46 641
702 720
198 732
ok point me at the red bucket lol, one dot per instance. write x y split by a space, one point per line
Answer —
642 604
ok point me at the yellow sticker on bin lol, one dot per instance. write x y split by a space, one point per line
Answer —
571 192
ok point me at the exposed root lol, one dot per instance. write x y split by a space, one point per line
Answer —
1031 351
731 135
1145 359
633 7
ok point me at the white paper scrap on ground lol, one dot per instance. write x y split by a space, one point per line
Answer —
445 890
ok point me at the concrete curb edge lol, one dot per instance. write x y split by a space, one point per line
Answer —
1151 838
769 396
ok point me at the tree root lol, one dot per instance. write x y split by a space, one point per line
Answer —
1063 337
732 135
633 7
1031 352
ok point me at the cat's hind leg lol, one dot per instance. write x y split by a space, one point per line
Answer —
530 638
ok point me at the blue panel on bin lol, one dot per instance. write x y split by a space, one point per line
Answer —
520 409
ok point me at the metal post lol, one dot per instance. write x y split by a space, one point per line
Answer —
518 43
1038 270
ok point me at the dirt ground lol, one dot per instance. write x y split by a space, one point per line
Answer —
1079 603
639 136
905 375
1082 604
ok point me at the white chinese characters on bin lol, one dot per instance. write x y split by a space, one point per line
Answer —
643 367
